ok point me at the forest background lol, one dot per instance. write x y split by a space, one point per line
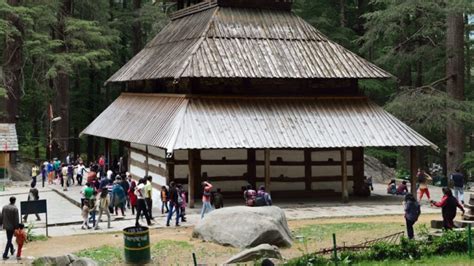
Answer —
57 54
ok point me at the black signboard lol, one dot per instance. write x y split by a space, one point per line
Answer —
34 206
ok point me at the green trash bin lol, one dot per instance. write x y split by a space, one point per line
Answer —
136 245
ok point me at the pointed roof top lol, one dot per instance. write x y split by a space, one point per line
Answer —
216 40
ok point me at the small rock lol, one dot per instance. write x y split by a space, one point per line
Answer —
84 262
258 252
72 257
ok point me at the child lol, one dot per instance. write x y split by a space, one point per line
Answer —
85 215
164 199
20 236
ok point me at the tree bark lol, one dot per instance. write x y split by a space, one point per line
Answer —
61 85
137 34
12 67
455 87
342 13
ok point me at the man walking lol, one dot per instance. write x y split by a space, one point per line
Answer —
149 195
458 179
141 204
10 222
174 204
32 196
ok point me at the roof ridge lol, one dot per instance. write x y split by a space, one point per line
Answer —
193 9
197 45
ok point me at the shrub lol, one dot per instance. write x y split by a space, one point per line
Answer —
308 260
450 242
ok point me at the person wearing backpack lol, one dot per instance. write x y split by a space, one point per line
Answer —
250 196
458 181
423 183
412 212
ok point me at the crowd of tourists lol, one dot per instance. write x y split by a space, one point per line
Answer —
449 203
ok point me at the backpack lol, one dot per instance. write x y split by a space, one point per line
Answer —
180 199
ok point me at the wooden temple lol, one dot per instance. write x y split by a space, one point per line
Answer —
244 91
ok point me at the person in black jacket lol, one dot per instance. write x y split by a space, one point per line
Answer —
412 212
448 204
174 204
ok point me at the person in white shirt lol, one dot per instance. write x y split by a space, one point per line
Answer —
141 204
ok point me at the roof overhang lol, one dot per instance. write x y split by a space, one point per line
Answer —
180 122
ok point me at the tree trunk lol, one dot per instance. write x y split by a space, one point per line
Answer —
455 87
342 13
137 40
61 85
12 66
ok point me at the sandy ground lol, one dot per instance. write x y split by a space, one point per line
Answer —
215 254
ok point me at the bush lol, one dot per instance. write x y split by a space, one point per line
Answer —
450 242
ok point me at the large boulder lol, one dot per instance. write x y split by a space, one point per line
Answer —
258 252
84 262
245 227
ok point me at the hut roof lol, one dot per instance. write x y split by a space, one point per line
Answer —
178 122
219 40
8 137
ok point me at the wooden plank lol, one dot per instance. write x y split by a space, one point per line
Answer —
274 163
307 170
154 157
252 167
413 170
345 193
267 169
151 168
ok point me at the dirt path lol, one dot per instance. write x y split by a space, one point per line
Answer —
213 253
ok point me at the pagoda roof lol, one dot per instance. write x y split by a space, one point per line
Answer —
181 122
219 40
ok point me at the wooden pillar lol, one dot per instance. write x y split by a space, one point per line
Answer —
170 169
358 168
267 170
147 166
108 151
194 157
252 167
344 191
307 170
413 170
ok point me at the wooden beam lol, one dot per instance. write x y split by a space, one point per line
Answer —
267 170
307 170
252 167
273 179
276 163
413 170
345 193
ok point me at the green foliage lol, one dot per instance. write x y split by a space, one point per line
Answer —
451 242
104 255
31 236
164 248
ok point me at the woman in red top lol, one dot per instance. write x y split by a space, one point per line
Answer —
448 205
132 196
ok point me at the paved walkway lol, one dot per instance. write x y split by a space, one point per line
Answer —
65 215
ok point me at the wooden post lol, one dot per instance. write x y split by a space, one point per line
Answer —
267 170
170 169
194 158
147 166
344 192
413 170
108 151
252 167
307 170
